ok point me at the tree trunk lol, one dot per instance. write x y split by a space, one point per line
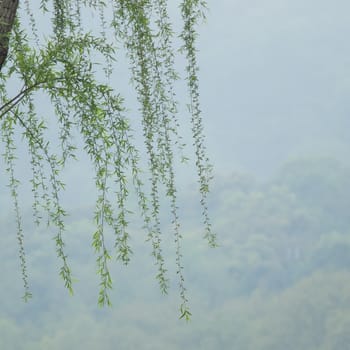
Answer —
8 9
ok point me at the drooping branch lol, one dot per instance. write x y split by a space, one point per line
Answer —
6 107
62 66
8 9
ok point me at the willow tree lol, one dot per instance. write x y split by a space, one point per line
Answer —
64 64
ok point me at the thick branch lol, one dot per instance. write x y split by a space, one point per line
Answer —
8 9
14 101
9 105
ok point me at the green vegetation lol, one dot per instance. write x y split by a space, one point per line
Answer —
51 56
279 280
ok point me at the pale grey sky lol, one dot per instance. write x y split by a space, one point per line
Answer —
275 81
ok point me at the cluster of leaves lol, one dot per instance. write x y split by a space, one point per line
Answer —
61 67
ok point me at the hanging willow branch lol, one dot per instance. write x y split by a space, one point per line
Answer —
60 64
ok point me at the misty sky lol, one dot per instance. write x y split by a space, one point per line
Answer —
274 84
275 81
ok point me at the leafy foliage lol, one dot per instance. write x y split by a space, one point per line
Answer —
70 67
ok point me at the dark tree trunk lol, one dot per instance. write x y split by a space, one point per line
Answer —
8 9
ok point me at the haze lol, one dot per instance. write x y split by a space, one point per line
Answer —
275 98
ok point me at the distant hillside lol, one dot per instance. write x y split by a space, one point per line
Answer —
279 280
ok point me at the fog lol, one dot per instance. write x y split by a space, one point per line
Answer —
274 85
274 82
